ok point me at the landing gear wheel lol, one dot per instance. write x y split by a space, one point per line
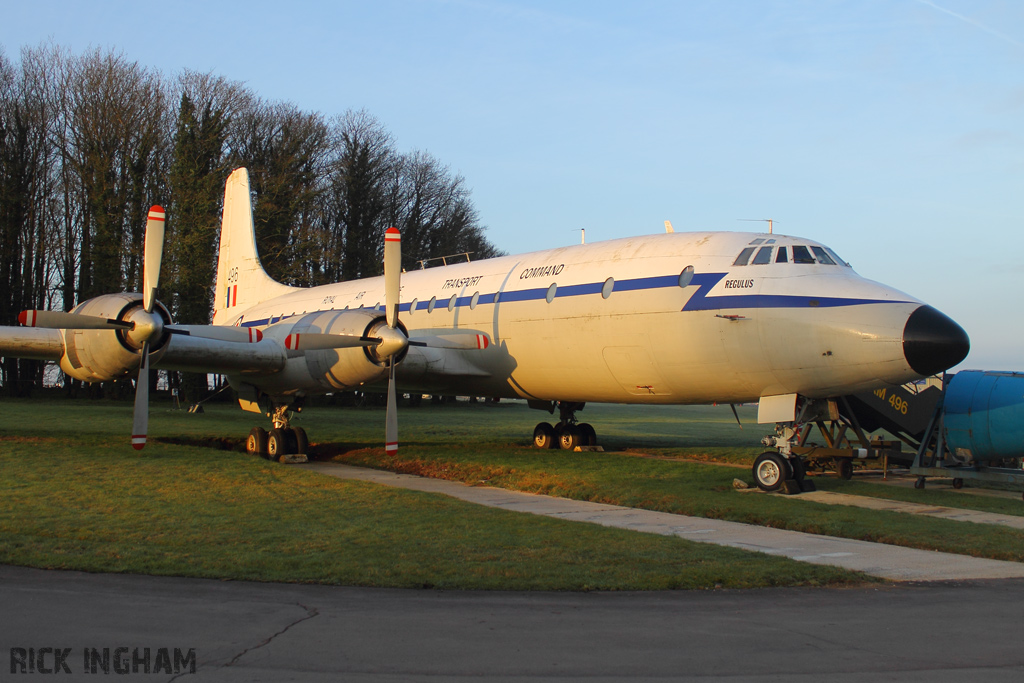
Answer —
588 437
844 468
557 431
796 465
291 444
570 438
770 471
277 444
256 444
958 483
301 441
919 484
544 436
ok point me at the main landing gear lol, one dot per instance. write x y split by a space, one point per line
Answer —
282 440
568 433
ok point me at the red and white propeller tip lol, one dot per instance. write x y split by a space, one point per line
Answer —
392 274
153 256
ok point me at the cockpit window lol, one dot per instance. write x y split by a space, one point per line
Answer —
759 240
783 256
802 254
835 257
763 256
822 257
744 257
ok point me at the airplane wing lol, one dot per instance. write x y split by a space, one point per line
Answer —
197 348
30 342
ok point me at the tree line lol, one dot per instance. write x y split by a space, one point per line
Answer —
89 141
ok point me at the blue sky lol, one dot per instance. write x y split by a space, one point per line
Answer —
892 131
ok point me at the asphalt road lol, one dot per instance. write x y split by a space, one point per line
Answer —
270 632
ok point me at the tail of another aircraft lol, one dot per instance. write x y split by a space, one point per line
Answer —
241 280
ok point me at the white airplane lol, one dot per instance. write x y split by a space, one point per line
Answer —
675 318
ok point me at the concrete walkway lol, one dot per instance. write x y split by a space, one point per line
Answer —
942 512
887 561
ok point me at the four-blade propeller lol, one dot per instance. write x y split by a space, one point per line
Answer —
146 328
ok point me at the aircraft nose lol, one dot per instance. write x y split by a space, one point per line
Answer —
932 342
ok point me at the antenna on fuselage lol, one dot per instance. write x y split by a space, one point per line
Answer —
668 227
769 221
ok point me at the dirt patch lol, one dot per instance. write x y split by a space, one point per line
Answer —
220 443
29 439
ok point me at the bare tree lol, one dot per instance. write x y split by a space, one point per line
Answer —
286 151
88 142
356 206
114 147
26 162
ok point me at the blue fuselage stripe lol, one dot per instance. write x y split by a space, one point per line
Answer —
700 301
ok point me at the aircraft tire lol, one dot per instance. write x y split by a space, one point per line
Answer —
544 436
589 436
570 438
256 443
277 444
558 429
301 440
797 468
770 471
844 468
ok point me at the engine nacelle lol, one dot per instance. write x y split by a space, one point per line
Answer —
314 372
103 355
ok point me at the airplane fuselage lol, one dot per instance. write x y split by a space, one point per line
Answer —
657 319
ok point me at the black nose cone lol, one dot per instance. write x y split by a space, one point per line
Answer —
932 342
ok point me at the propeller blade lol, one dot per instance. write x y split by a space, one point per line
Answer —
464 341
58 320
140 421
316 341
391 427
154 252
243 335
392 274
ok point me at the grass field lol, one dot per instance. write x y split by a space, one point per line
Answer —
77 496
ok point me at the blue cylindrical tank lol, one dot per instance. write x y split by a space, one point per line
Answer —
984 414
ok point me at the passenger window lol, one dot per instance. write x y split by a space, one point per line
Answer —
451 302
744 257
802 254
783 255
822 257
431 304
764 255
551 293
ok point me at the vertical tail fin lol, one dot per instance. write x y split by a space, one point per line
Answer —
241 280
